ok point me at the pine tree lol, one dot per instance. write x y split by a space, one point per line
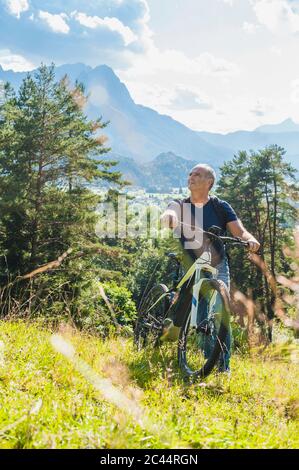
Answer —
262 188
49 152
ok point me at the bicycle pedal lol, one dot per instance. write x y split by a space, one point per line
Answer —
205 330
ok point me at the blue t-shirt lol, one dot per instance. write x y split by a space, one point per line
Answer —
211 217
203 218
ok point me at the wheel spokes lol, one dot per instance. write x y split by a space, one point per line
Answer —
150 316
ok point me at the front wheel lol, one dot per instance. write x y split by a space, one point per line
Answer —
150 317
201 346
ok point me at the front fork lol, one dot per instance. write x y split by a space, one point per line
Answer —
172 332
196 290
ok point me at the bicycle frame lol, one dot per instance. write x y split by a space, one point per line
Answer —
161 323
201 264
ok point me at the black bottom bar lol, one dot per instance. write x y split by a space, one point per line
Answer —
133 458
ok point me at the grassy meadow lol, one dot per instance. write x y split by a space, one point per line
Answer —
74 390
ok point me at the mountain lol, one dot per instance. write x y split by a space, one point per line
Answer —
140 133
134 131
285 134
163 173
288 125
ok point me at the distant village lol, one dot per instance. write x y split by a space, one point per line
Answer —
140 196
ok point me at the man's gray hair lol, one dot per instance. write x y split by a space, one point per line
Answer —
210 171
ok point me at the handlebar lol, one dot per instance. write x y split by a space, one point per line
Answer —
223 239
233 240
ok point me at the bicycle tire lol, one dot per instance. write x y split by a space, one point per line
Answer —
149 321
191 361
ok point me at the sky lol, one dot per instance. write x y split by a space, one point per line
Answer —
214 65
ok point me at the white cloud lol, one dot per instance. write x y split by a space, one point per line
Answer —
277 15
250 28
276 50
229 2
14 62
154 75
210 65
171 60
55 22
113 24
295 91
154 60
261 107
184 98
16 7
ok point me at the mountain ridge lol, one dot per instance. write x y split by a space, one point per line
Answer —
155 176
288 125
139 132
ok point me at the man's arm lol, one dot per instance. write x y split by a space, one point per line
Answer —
171 216
169 219
237 229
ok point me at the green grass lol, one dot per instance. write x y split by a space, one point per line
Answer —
48 403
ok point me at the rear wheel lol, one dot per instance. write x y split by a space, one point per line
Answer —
200 347
150 317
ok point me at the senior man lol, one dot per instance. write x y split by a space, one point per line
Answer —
202 211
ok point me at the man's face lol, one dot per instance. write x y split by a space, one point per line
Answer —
199 179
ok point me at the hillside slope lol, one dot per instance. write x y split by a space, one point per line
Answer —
51 400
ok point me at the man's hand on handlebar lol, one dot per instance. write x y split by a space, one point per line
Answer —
169 219
253 245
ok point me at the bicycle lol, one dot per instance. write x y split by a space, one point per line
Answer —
154 324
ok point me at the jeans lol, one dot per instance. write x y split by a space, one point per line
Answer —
207 342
